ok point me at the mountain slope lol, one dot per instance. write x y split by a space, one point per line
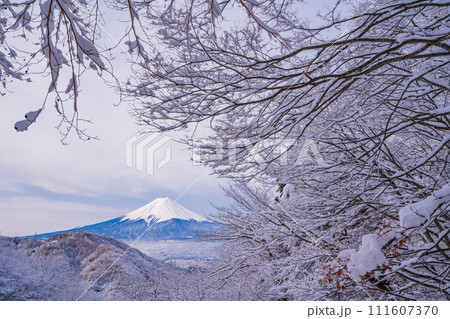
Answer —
163 218
84 266
64 266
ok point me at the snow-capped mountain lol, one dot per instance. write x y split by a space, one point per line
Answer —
163 218
163 209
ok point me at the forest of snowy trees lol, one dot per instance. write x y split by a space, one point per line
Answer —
368 82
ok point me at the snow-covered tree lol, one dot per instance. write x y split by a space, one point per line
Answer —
45 278
370 87
57 39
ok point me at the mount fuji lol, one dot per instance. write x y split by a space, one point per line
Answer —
162 219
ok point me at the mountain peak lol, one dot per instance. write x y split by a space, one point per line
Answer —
163 209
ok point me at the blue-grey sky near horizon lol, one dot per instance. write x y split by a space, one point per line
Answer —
47 186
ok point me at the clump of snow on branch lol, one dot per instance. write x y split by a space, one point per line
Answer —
368 257
416 214
370 254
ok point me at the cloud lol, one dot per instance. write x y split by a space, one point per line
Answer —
24 215
54 187
10 188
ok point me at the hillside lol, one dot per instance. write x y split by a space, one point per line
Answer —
66 265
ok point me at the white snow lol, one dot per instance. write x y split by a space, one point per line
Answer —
367 258
415 214
32 116
370 254
163 209
22 125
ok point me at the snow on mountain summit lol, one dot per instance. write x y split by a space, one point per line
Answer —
169 220
163 209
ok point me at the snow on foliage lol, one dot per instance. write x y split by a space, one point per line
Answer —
25 278
416 214
30 118
377 250
367 258
22 125
366 99
370 255
59 37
